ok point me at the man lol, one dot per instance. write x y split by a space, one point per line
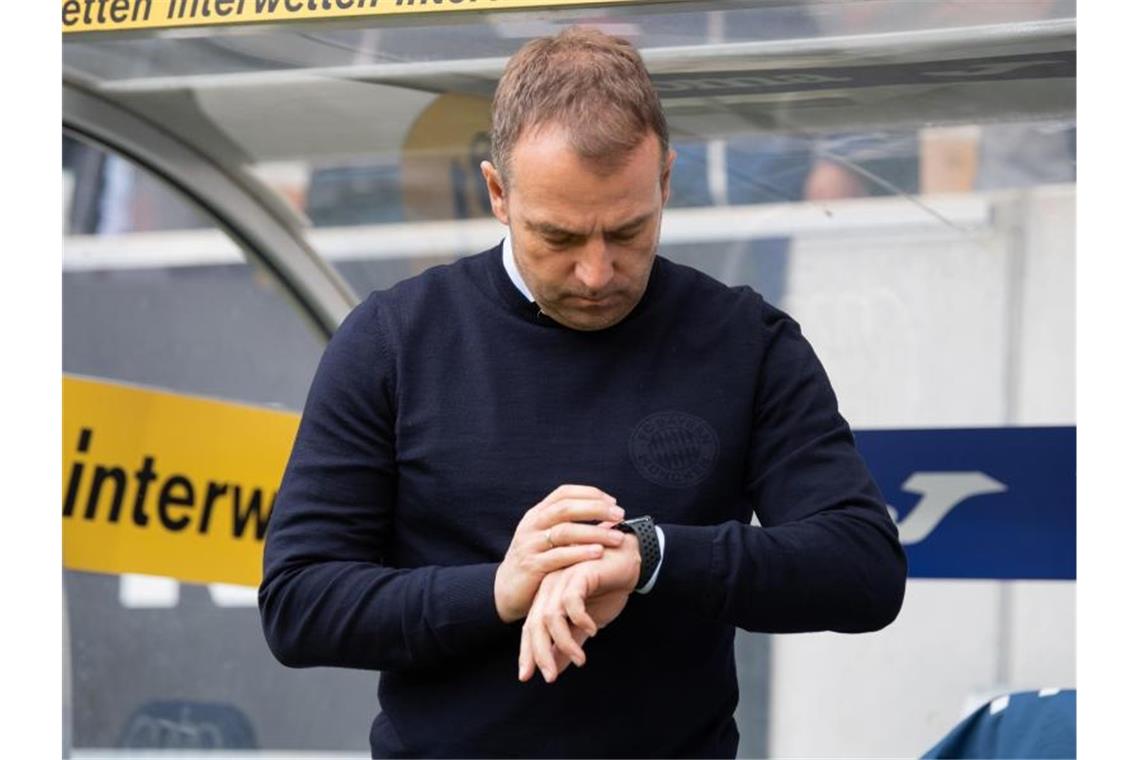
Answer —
421 529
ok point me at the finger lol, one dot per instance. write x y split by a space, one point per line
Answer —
567 492
582 586
565 534
579 635
564 492
561 662
542 650
526 658
570 491
561 659
539 641
527 663
577 510
556 624
575 606
560 633
564 556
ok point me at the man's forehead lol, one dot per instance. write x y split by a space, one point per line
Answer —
543 154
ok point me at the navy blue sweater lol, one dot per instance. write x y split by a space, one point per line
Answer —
445 407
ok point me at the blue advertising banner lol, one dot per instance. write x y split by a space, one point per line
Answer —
995 503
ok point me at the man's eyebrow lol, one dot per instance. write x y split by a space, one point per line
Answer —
633 224
548 228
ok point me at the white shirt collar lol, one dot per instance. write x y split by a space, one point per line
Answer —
513 269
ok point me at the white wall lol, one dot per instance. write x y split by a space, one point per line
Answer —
947 329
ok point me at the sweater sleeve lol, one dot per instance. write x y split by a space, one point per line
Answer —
826 554
327 597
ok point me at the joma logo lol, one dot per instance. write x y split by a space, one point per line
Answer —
940 492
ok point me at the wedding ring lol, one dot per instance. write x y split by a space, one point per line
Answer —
549 540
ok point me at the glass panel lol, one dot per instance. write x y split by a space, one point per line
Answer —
470 36
155 294
360 106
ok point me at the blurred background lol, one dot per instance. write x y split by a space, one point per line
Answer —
898 175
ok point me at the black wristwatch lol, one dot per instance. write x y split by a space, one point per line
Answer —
646 533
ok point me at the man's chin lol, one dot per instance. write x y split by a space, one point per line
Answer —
580 319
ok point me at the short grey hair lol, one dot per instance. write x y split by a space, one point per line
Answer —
593 85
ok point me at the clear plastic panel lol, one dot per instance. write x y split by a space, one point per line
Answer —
470 36
154 294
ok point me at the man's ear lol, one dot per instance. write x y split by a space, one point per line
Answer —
496 189
666 173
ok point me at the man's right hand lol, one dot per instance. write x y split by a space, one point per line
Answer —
550 537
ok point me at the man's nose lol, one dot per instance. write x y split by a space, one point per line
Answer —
595 266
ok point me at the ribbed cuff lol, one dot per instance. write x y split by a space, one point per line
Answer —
687 574
467 604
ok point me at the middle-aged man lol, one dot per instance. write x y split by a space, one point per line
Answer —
473 434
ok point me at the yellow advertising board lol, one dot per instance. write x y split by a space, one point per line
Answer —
125 15
161 483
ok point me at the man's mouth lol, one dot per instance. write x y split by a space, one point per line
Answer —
594 301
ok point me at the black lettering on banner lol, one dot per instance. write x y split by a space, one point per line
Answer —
71 10
120 9
111 12
252 509
76 473
115 11
144 476
101 474
194 9
166 499
176 497
213 491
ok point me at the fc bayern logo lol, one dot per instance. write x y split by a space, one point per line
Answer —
674 449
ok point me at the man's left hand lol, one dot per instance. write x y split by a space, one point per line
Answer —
572 605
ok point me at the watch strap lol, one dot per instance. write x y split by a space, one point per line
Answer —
646 532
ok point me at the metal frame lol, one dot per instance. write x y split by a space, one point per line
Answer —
267 230
1025 37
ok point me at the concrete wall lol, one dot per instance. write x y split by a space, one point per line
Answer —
945 330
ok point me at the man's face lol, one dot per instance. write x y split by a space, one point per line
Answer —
584 241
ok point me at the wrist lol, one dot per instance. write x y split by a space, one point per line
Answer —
631 548
507 613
